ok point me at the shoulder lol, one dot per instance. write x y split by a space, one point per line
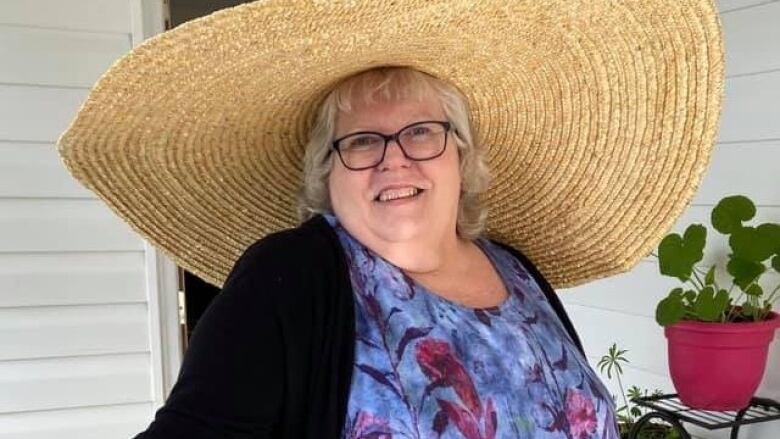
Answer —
547 289
309 246
524 260
289 270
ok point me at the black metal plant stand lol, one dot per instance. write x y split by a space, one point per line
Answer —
670 409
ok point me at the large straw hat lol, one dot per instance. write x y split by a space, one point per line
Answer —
598 118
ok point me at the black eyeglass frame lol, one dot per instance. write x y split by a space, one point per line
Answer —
388 137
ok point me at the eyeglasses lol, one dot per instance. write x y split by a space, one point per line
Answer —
419 141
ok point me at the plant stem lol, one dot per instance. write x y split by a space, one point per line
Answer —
625 401
730 315
698 287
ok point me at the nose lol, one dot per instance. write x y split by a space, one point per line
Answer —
394 157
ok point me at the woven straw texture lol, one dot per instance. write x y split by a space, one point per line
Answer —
598 118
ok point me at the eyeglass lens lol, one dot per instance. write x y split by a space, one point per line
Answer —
420 142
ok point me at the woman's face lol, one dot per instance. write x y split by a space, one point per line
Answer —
358 197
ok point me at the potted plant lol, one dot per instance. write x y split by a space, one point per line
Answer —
718 343
629 413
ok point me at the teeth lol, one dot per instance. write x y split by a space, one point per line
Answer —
394 194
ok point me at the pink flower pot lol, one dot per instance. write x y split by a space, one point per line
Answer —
718 366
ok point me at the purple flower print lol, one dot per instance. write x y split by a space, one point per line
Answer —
580 414
443 369
440 366
534 373
368 426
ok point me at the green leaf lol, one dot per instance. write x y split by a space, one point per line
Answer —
690 296
695 237
744 271
722 302
671 309
771 233
776 263
754 290
709 279
752 244
677 254
730 212
706 307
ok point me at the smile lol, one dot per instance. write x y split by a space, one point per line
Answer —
397 194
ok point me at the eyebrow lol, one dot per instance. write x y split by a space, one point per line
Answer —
418 118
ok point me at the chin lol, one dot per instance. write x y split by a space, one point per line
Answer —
399 229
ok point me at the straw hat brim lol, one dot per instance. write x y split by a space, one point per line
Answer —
598 119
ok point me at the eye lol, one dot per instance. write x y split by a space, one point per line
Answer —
420 130
362 141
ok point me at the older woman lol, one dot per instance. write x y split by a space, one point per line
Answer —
452 335
387 311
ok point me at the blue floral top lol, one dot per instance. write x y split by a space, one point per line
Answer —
427 367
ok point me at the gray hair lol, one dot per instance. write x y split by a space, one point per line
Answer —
395 83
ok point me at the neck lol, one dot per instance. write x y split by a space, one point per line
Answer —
427 256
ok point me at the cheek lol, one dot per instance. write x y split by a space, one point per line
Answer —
345 189
452 171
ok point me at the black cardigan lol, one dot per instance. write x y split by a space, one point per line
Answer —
272 356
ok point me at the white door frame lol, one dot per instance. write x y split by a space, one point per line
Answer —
149 18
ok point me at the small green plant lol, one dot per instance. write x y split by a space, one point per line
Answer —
611 362
706 301
630 412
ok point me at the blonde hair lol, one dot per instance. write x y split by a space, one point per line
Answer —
395 83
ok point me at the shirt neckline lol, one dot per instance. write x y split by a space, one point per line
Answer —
482 243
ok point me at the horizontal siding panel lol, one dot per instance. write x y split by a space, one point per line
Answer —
58 58
641 335
751 108
30 225
36 170
90 15
37 114
717 247
53 383
632 376
38 332
729 174
107 422
726 6
41 279
638 291
751 38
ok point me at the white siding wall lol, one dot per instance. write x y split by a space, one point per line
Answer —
746 160
80 349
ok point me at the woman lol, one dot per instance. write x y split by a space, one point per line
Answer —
388 312
452 336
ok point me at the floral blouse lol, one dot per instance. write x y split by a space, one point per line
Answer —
427 367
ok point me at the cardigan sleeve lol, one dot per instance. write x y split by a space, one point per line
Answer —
231 380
